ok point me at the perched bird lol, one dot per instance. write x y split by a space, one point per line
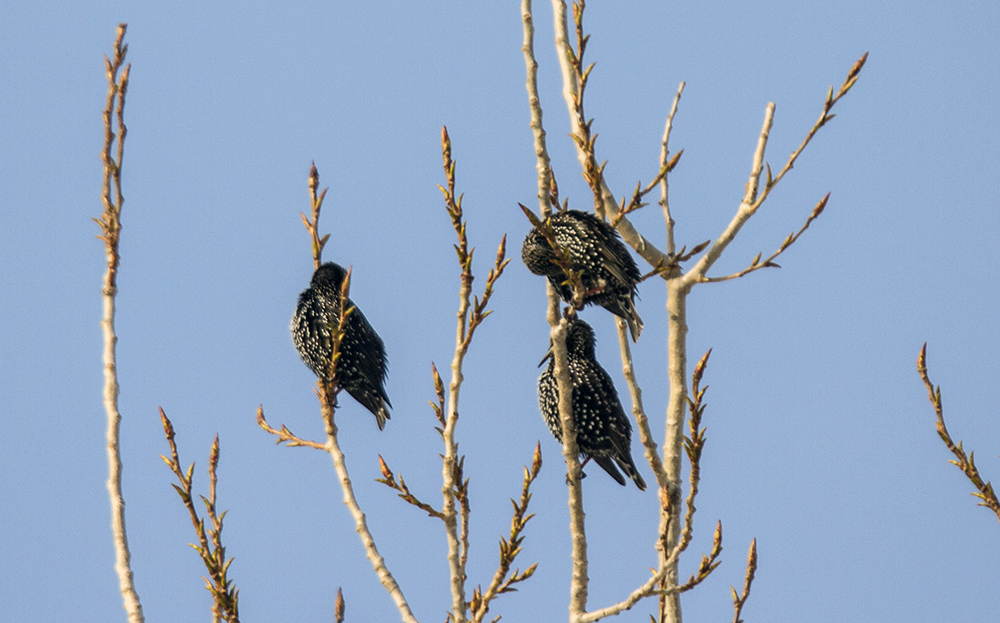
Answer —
361 368
603 432
609 274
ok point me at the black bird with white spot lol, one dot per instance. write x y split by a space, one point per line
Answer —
609 274
603 432
361 367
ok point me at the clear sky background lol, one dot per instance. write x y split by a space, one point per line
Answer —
821 442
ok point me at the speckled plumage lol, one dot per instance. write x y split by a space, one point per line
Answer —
610 275
603 431
361 368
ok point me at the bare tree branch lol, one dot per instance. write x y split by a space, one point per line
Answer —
543 165
756 264
454 206
678 287
964 462
753 199
470 315
327 406
327 391
573 71
225 595
312 225
571 454
664 160
657 584
110 223
694 443
286 436
547 196
740 600
746 209
389 479
642 422
503 581
640 193
675 533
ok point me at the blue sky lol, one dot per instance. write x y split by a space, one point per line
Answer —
821 442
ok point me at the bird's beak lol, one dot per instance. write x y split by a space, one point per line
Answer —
547 356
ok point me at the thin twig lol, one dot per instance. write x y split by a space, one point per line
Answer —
464 510
225 595
655 584
503 581
312 225
547 196
389 480
640 193
745 211
471 313
327 392
644 591
664 159
546 180
110 223
450 458
479 311
360 522
824 117
694 444
286 436
642 422
755 196
757 264
965 462
740 600
708 563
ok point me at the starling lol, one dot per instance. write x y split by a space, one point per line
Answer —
361 367
609 273
603 432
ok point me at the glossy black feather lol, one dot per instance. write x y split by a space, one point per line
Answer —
361 368
609 274
603 431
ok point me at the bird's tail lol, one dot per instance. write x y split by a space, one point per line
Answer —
631 316
632 472
374 401
608 465
381 415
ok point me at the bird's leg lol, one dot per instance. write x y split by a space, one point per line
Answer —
582 475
